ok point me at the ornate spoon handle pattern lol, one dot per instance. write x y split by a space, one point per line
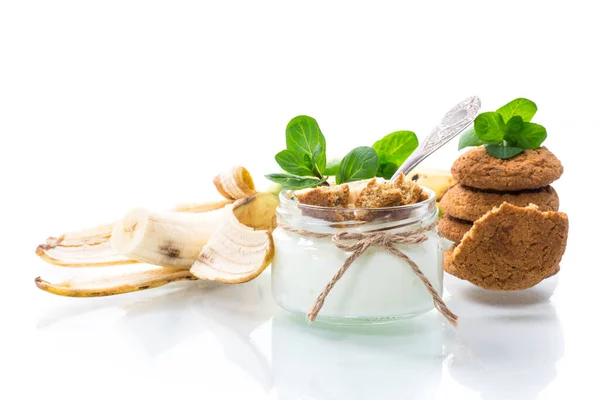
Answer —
454 122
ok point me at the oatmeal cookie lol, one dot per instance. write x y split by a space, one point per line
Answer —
452 228
325 196
449 267
532 169
400 192
470 204
511 248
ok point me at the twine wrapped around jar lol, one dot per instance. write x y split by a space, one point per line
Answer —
357 243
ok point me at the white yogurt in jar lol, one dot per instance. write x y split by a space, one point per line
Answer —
377 286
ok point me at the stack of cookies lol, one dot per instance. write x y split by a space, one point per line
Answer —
502 218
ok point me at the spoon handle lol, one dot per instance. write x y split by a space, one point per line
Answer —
454 122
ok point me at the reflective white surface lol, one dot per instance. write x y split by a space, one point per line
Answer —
106 106
229 341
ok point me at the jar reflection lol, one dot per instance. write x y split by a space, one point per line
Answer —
397 361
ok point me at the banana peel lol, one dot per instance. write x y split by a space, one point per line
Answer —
126 283
244 230
235 253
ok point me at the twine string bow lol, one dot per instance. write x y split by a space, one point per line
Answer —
357 243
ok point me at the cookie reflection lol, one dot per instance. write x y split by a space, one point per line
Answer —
507 344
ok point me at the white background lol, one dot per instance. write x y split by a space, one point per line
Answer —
106 105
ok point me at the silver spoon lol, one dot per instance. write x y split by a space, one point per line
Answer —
453 123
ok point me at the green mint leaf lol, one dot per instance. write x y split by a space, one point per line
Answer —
469 139
315 156
308 163
524 108
317 151
396 147
361 163
295 182
387 170
293 163
531 136
332 167
490 127
302 136
500 151
515 125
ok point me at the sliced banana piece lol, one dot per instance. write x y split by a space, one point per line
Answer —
108 286
235 253
235 184
168 239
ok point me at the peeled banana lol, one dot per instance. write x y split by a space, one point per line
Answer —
229 244
168 239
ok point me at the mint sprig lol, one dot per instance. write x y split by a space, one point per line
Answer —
506 132
305 163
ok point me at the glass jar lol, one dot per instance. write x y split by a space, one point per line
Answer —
378 287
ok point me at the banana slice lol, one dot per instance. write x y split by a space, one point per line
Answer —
235 184
115 285
168 239
235 253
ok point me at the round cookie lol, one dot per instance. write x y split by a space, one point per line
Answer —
470 204
532 169
512 248
453 229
